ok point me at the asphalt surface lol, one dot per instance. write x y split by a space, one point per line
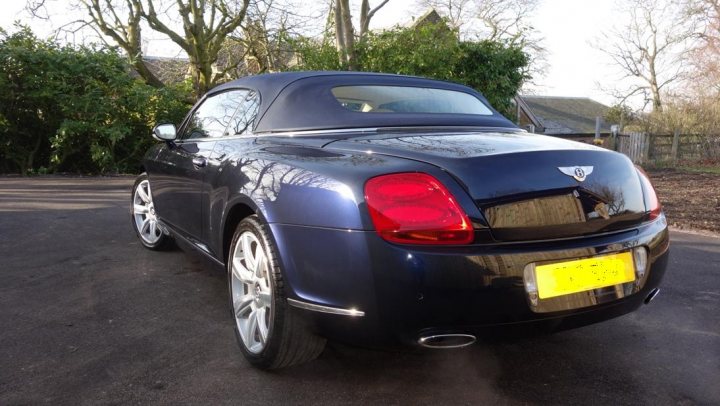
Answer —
87 316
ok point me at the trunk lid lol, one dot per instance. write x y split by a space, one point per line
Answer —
527 186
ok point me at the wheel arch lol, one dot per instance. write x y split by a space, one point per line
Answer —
235 214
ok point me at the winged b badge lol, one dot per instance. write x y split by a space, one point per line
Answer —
579 173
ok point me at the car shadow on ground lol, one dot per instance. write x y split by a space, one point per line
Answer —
556 368
543 369
619 361
612 362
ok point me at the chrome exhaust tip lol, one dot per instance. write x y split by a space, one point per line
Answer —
446 340
652 295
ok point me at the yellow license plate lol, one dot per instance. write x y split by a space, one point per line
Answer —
579 275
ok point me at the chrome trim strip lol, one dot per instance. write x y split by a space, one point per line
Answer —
325 309
198 247
363 130
653 294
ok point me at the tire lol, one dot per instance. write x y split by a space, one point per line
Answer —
143 217
269 334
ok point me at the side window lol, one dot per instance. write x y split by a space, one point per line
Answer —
214 114
244 120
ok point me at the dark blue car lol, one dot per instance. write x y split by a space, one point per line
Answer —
381 209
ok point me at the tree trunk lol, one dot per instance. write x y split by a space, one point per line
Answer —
364 18
340 33
201 39
202 77
655 90
146 73
366 15
657 102
348 34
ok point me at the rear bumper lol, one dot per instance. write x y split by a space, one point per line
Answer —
408 292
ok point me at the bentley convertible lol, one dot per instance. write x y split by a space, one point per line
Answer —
381 210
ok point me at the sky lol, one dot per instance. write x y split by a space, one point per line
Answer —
567 29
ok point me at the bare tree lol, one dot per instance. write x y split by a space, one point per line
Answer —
114 22
262 44
706 57
205 26
650 48
125 32
508 21
260 39
345 31
366 14
499 20
459 13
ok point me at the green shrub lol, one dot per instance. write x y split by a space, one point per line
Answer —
495 69
75 109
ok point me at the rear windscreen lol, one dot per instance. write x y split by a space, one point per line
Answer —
406 99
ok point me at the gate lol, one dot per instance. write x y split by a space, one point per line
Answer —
635 146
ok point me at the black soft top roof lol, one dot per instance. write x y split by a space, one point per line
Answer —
301 101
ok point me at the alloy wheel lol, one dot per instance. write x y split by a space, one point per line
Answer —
252 296
144 214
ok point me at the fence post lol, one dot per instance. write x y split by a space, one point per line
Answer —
675 145
614 130
646 148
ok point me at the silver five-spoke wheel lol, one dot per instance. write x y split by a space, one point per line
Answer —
144 218
270 335
252 296
144 213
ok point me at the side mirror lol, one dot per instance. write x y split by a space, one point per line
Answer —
165 132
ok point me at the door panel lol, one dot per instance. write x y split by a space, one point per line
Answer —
178 184
228 154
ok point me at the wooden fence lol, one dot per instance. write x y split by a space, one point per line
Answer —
634 145
642 148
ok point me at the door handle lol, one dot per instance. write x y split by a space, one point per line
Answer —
199 162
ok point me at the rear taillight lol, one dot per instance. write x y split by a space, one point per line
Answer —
652 204
415 208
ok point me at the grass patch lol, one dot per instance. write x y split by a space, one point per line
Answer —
694 166
700 169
